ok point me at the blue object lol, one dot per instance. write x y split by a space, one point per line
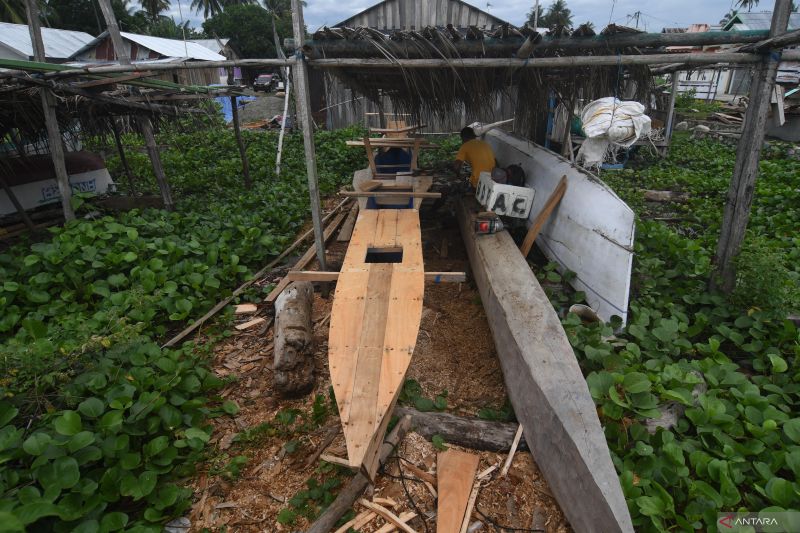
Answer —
225 102
400 158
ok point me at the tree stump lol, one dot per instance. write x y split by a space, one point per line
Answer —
293 366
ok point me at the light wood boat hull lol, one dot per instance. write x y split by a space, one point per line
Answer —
375 319
545 385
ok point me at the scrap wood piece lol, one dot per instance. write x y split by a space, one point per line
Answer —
665 196
245 309
350 222
348 495
250 323
341 461
390 527
305 259
387 514
473 496
511 453
455 471
543 215
330 434
358 522
258 275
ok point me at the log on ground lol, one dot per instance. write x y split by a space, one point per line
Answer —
293 358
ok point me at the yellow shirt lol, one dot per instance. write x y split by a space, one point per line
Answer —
480 157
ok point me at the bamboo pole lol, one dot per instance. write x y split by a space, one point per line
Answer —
748 153
121 150
54 140
699 58
282 134
144 122
303 105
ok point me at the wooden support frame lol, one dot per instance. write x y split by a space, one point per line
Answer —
122 157
540 220
303 104
54 140
114 79
320 276
390 194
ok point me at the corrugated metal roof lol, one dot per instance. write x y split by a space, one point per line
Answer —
211 44
174 47
758 21
163 47
58 44
416 14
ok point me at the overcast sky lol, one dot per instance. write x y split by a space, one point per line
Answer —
653 17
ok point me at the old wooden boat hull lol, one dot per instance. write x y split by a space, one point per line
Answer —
591 231
375 320
545 385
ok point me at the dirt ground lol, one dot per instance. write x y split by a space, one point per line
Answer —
454 352
264 108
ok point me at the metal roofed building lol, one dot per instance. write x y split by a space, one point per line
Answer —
142 48
59 45
416 14
757 21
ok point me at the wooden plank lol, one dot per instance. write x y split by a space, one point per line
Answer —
349 224
455 472
320 276
370 154
390 527
382 142
243 309
397 130
544 382
510 458
250 323
370 185
591 222
390 194
543 215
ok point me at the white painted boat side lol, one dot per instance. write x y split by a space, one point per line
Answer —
591 232
42 192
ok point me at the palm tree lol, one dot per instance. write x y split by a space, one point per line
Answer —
13 11
558 14
209 7
154 8
278 9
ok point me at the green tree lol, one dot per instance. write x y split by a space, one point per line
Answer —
13 11
210 8
153 8
83 15
558 14
169 29
245 25
532 19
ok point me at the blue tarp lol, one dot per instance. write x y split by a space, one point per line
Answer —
225 102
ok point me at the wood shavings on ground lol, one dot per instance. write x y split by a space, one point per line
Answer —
454 352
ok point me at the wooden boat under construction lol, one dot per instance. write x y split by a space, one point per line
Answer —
375 319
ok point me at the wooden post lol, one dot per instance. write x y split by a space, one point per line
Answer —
303 104
145 125
748 153
671 113
248 183
54 139
13 197
121 150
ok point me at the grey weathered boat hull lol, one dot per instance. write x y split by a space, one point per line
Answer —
545 385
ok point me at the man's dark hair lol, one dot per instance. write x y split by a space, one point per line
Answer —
467 134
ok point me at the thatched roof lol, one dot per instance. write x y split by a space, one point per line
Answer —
443 91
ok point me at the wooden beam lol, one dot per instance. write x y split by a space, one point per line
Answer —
748 152
543 216
390 194
348 495
473 433
248 182
144 122
303 105
257 276
781 40
455 474
114 79
699 58
322 276
54 139
122 158
544 382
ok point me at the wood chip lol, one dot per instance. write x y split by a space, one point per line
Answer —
387 514
250 323
244 309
